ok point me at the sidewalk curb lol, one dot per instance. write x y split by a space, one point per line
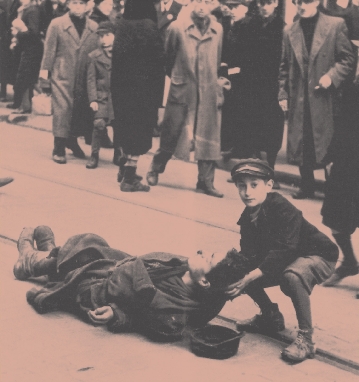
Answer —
287 178
283 337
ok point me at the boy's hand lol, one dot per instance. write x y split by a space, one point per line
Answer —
94 106
101 316
237 288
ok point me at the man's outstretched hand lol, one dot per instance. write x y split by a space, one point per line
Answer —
101 316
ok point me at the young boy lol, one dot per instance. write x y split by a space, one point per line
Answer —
283 249
158 294
98 88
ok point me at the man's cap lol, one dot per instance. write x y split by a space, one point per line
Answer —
254 167
105 27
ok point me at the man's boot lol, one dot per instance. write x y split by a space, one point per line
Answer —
302 348
95 148
59 153
205 185
272 322
158 166
31 262
130 182
121 171
72 144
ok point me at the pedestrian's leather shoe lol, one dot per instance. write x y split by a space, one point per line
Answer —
269 323
152 178
44 238
202 188
61 159
134 186
73 145
303 195
5 181
302 348
341 272
92 162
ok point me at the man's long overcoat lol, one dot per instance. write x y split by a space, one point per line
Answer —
331 54
65 56
192 63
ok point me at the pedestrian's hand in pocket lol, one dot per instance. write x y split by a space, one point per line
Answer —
94 106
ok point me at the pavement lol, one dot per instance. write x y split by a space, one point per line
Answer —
171 217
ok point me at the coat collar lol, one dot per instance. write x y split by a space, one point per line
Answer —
213 28
101 57
298 44
90 27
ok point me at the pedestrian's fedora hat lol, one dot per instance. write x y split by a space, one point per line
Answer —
215 341
252 166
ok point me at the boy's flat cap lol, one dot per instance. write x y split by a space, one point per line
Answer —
251 166
105 27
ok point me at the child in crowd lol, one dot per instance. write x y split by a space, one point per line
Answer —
98 88
283 249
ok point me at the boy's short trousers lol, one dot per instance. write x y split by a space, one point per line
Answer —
311 270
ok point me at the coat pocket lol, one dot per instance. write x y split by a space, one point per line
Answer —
178 90
102 96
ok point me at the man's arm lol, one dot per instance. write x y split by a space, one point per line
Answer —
284 74
171 48
50 47
344 56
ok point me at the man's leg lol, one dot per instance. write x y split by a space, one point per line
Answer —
206 169
98 131
158 166
33 262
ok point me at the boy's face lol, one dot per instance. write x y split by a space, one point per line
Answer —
202 8
77 7
307 8
253 190
203 262
267 7
106 40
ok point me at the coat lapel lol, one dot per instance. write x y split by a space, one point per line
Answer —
297 41
87 31
319 37
70 28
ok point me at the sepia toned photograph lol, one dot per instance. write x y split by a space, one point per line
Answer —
179 190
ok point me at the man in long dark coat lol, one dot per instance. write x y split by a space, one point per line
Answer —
159 294
255 46
136 86
316 59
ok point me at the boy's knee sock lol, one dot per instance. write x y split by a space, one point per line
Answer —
130 168
344 242
260 297
294 288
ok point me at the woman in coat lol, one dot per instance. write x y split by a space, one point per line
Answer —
69 40
193 56
136 86
27 39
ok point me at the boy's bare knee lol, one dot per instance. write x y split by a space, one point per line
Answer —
289 281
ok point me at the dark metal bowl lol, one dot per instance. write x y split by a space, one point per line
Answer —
215 341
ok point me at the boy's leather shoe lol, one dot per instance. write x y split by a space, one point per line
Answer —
302 348
44 238
269 323
152 178
92 162
303 195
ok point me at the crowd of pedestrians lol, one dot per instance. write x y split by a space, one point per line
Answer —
227 73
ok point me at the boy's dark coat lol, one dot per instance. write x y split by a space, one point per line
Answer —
134 287
98 83
280 237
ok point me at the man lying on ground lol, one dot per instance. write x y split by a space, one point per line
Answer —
157 294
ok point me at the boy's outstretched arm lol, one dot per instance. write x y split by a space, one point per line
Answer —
234 290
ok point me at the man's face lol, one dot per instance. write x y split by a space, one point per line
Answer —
267 7
202 8
307 8
77 7
239 12
203 262
253 190
106 7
